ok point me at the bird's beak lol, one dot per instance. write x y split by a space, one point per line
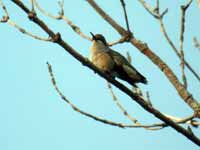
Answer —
93 37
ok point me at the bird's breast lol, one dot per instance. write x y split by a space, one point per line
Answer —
103 61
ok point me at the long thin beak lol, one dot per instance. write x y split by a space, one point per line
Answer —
93 37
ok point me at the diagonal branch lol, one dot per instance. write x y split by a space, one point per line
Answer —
61 16
58 17
155 126
6 19
58 39
75 28
160 17
135 121
163 29
75 108
162 26
143 48
22 30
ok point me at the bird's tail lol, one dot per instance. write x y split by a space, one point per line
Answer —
133 76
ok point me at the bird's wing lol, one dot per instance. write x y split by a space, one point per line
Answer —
125 69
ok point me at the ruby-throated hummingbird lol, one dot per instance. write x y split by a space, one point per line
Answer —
112 62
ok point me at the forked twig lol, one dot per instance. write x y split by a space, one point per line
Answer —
181 39
76 108
6 19
163 29
135 121
58 40
75 28
22 30
155 126
61 16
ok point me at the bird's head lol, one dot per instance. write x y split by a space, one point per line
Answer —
99 38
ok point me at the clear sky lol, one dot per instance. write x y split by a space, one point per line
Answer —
32 114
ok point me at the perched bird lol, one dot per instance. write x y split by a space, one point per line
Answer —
112 62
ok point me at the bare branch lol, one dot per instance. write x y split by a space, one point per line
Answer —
58 17
125 15
105 16
149 9
125 38
143 48
58 39
61 16
10 22
5 18
76 28
181 39
121 125
185 7
176 50
32 6
160 18
121 40
156 126
119 105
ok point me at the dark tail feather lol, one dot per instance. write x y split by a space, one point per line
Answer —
132 81
143 79
122 74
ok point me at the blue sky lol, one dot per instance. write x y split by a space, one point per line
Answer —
32 114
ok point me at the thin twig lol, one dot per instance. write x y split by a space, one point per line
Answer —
135 121
22 30
61 16
58 40
116 42
5 18
156 126
181 39
176 50
162 26
148 8
125 38
75 108
144 48
46 13
32 6
125 15
4 8
157 6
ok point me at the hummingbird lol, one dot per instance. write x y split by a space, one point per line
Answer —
112 62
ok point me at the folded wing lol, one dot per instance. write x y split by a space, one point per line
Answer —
124 70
